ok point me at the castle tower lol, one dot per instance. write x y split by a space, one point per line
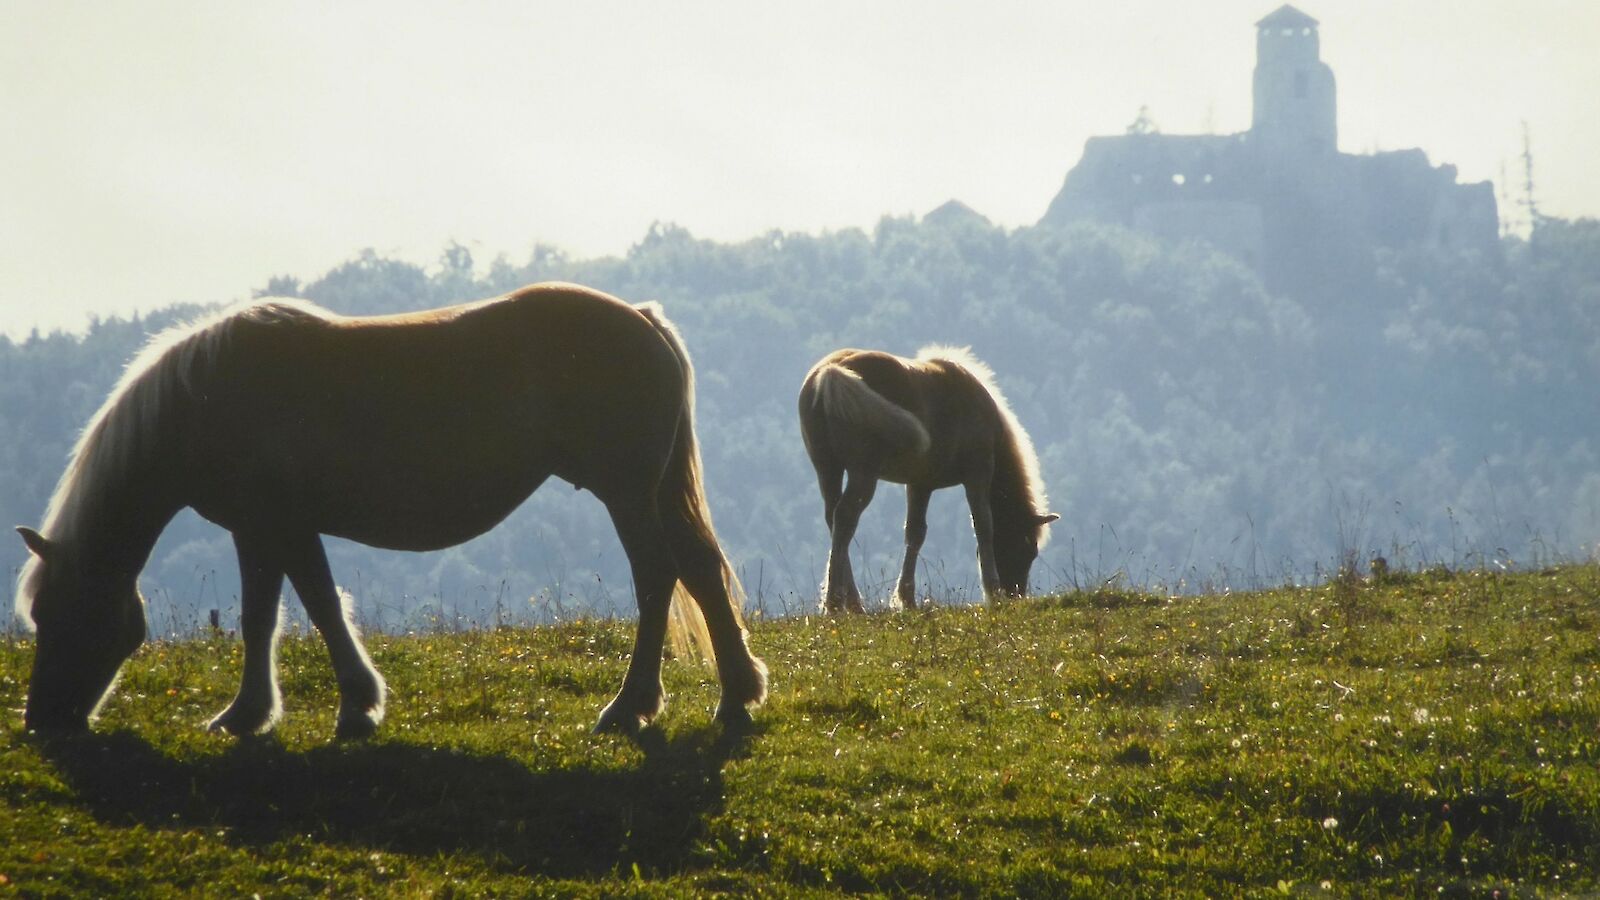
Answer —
1294 94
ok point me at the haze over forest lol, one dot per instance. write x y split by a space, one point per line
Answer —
1194 429
1431 403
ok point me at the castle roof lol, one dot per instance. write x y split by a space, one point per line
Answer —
1288 17
952 211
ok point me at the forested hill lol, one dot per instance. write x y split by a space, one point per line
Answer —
1193 428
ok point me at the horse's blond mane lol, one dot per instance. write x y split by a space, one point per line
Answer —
121 435
1020 445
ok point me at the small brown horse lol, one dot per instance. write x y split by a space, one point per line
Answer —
931 422
283 422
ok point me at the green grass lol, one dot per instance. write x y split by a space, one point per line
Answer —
1439 733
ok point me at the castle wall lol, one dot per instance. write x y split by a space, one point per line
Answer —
1466 216
1406 201
1119 173
1232 226
1295 219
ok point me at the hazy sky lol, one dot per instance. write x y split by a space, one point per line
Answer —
153 152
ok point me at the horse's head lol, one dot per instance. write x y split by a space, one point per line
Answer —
87 623
1015 549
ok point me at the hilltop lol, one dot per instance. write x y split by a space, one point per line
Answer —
1192 426
1432 732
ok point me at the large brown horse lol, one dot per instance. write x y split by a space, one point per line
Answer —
283 422
935 421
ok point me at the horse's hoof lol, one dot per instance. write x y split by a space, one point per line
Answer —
734 717
630 712
355 728
615 722
58 728
239 724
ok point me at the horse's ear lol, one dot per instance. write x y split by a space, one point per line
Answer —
38 544
1047 518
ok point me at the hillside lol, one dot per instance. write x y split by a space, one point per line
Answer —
1436 733
1192 426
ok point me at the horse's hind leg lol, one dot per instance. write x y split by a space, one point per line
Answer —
361 688
641 697
839 588
701 565
905 590
830 481
258 702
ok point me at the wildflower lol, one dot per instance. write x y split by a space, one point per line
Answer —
1420 715
1330 823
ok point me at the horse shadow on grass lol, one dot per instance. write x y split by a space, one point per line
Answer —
576 822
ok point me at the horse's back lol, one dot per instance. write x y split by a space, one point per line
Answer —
550 350
424 429
887 375
939 396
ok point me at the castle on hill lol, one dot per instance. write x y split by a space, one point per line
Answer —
1280 197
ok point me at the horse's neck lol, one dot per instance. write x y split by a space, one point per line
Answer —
119 526
1011 500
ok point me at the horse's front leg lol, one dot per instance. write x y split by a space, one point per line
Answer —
983 529
839 587
905 590
361 688
641 697
258 703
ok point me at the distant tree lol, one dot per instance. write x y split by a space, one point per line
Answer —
1143 124
456 280
279 286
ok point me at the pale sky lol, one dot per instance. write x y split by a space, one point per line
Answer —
154 152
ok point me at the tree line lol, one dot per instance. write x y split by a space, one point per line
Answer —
1194 428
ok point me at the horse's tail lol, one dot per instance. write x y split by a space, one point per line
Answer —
843 395
706 582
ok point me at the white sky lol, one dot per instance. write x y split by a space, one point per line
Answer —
153 152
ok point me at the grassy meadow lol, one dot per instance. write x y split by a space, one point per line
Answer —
1437 733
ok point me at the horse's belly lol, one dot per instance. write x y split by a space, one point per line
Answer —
918 468
420 515
396 508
